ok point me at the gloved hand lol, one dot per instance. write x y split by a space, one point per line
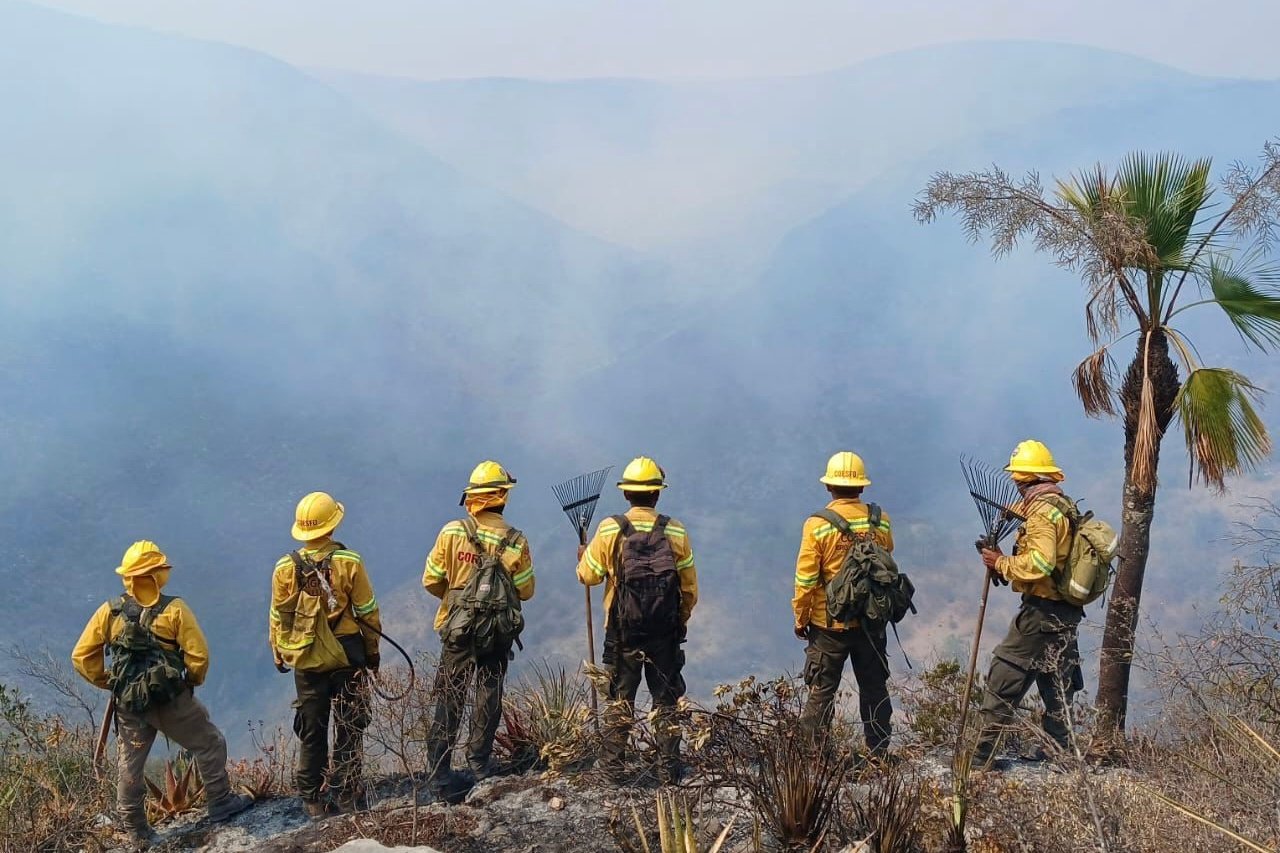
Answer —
372 662
979 544
683 633
802 632
280 667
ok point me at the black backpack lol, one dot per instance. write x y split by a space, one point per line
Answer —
485 613
646 598
144 673
868 587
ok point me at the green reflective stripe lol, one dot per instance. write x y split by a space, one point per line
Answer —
434 570
524 577
275 614
860 525
284 561
367 608
595 565
1055 514
293 647
806 582
1041 563
686 563
346 555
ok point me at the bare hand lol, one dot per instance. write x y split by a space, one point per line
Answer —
582 549
989 557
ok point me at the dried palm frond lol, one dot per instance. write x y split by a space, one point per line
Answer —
1094 381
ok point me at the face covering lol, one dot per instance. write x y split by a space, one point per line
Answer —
478 503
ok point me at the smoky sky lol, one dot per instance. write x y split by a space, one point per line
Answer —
674 39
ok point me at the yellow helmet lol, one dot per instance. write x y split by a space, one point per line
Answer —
318 514
846 469
143 556
642 474
1032 457
488 477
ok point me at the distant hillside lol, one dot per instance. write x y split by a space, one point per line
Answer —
673 165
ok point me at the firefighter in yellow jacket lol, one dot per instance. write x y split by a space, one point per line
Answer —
651 587
823 547
467 647
1041 646
158 655
329 684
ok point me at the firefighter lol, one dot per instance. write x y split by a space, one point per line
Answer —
823 547
473 642
158 656
330 684
1041 646
646 614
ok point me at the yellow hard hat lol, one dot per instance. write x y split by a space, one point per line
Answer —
642 474
487 477
142 557
846 469
318 514
1032 457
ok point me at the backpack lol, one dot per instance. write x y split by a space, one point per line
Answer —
305 638
868 587
144 672
1094 543
646 595
485 613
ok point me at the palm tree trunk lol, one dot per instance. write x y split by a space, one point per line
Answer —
1138 511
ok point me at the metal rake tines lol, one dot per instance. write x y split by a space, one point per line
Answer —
993 493
578 498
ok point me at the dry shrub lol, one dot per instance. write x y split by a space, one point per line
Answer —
752 742
50 796
546 720
889 816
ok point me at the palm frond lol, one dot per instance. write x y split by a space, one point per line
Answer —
1094 381
1249 297
1167 193
1224 433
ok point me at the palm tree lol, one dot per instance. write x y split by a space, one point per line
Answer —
1149 246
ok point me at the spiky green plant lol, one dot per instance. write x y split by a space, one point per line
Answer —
1147 240
678 826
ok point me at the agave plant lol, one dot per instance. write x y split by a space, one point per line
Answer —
678 827
181 793
1150 245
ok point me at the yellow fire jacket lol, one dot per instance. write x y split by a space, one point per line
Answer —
1043 545
822 550
351 589
452 559
176 627
597 563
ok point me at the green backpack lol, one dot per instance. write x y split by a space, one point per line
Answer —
868 586
484 614
144 672
1093 546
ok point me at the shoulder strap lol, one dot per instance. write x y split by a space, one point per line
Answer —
840 522
149 614
625 527
473 533
873 515
1064 505
509 540
660 527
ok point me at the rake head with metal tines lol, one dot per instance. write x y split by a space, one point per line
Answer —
578 499
993 493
